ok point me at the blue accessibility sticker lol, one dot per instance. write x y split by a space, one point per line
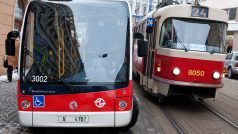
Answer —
150 22
38 101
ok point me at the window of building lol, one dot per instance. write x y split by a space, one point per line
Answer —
144 11
19 12
232 13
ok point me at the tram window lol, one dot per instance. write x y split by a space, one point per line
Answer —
81 44
29 30
166 34
193 35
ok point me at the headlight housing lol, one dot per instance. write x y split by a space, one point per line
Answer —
216 75
158 69
122 104
25 104
176 71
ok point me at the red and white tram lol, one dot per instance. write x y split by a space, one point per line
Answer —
75 66
179 49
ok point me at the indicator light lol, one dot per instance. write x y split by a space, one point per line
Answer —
122 104
25 104
158 69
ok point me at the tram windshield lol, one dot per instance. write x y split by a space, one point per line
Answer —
193 35
81 43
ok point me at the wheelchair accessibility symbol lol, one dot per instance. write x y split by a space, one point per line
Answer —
150 22
39 101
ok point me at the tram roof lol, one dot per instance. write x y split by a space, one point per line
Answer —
184 11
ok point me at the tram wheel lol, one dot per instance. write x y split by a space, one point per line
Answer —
135 113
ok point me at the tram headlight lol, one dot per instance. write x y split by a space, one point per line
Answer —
122 104
25 104
176 71
158 69
216 75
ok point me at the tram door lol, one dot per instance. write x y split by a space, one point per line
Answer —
151 37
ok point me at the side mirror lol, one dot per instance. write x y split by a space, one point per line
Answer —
10 47
142 48
138 36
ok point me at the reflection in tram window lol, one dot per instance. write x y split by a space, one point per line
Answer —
79 44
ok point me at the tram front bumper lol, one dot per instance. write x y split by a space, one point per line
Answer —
75 119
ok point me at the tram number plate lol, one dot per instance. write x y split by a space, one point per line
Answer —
74 119
196 72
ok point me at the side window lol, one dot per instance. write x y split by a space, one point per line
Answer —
229 56
165 36
28 36
236 57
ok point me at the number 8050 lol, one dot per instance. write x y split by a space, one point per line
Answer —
196 72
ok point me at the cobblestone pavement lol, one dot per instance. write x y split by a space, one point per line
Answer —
234 80
8 109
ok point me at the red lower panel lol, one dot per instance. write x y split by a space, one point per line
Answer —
124 92
84 102
202 70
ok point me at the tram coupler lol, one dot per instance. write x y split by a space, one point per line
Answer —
198 99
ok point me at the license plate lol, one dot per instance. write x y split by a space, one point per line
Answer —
74 119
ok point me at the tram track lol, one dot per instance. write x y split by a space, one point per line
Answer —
218 114
185 115
173 120
178 123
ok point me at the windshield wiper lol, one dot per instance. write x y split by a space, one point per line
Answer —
213 51
26 51
182 44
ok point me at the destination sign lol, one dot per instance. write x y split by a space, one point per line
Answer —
199 12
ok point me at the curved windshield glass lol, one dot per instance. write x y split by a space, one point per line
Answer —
193 35
76 42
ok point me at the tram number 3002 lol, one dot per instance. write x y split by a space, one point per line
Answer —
39 78
196 72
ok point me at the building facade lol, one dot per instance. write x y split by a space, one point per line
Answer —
231 6
11 14
140 8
